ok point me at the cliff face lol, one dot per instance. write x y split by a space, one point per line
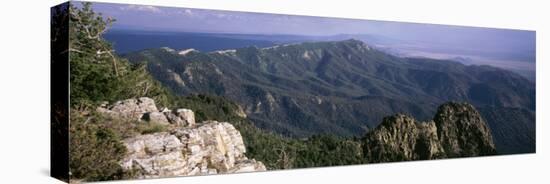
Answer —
457 130
462 131
185 148
400 138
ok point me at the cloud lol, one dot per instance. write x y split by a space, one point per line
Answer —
220 15
143 8
186 12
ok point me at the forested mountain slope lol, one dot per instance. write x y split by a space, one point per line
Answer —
344 87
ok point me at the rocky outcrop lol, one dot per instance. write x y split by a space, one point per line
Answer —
130 108
401 137
144 109
462 131
457 130
210 148
185 149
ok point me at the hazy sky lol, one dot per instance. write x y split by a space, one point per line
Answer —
186 19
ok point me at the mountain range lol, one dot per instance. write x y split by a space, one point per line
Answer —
511 54
346 87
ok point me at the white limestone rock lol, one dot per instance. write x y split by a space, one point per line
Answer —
210 148
157 117
187 116
153 155
130 108
187 148
144 109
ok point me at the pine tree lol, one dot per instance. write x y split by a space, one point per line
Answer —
97 73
